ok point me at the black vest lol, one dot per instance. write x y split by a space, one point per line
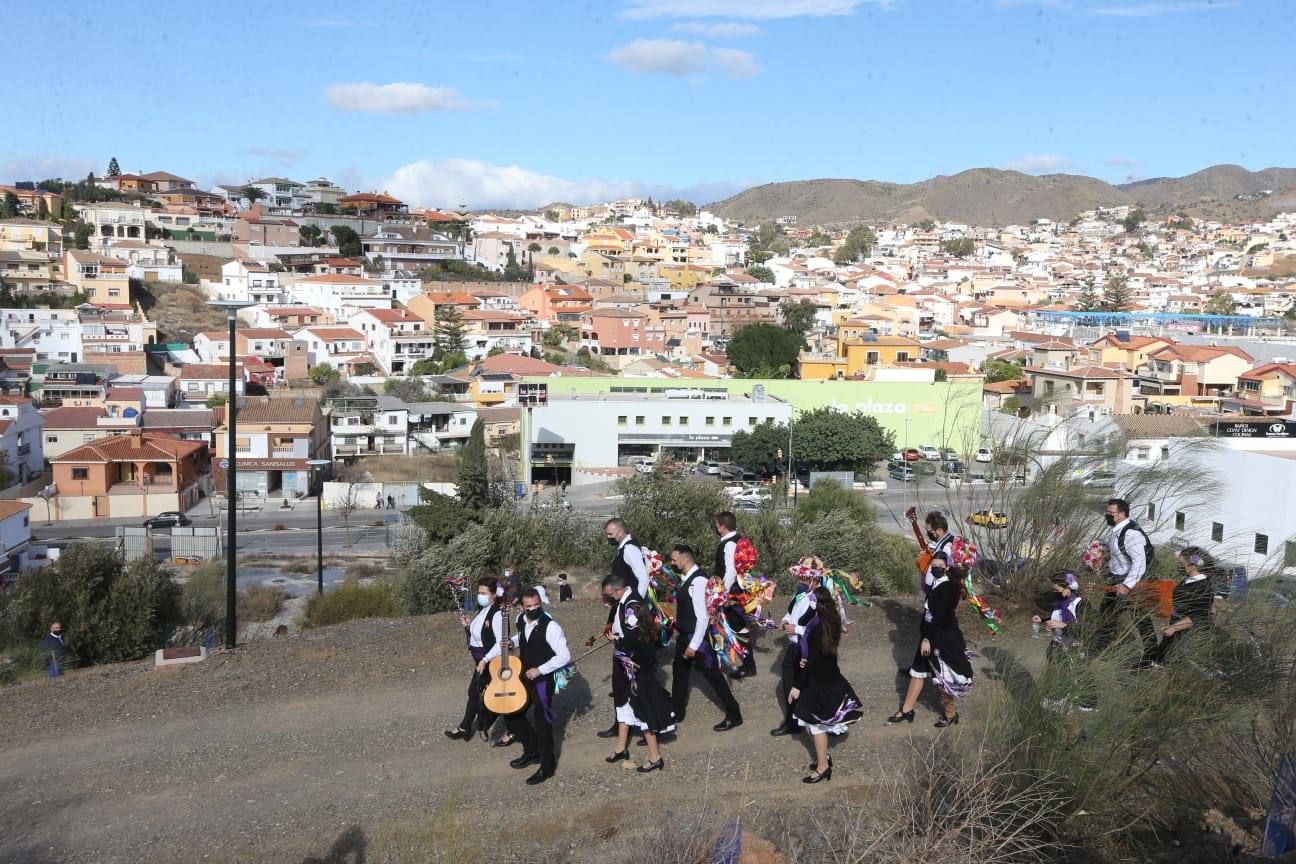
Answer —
622 569
487 631
535 651
719 570
685 619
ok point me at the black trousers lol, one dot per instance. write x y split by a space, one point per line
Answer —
789 670
476 715
1109 612
682 681
533 729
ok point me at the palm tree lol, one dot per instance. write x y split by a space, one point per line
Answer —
252 194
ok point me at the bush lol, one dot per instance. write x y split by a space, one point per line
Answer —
349 601
110 610
407 542
662 510
259 602
826 496
441 516
202 601
363 570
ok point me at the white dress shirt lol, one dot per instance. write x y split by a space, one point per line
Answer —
475 632
730 568
635 559
557 642
616 617
697 594
804 602
1129 566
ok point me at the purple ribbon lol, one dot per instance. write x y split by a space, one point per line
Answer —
804 638
477 653
708 655
542 693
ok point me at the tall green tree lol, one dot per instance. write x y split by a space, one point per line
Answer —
81 234
310 235
926 225
1000 370
761 272
252 194
959 247
858 244
831 440
448 330
114 170
512 270
798 317
764 351
1116 293
1135 218
1088 300
347 240
818 239
472 476
323 373
762 450
1221 303
10 206
684 208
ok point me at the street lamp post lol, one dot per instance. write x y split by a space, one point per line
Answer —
317 471
231 308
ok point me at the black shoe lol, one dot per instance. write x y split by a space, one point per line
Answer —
659 765
741 674
609 733
785 729
524 760
947 721
728 723
815 777
458 734
506 741
617 757
538 777
815 763
901 717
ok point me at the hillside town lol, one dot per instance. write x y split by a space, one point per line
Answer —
368 328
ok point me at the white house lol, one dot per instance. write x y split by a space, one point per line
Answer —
21 446
341 296
247 281
332 345
113 220
397 338
54 334
15 540
146 261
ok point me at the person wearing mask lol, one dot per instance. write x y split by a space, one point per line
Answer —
483 632
629 564
1194 596
54 650
640 701
542 646
942 653
1064 644
824 701
1126 561
726 527
692 648
936 527
564 588
801 609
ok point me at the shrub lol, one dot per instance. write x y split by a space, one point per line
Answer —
825 496
776 539
202 602
349 601
300 566
441 516
260 602
662 510
407 542
363 570
110 610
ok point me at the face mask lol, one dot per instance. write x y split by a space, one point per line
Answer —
483 600
931 535
1111 520
534 614
612 541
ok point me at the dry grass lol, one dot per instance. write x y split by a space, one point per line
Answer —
260 602
425 468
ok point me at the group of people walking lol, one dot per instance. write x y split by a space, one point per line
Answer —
816 697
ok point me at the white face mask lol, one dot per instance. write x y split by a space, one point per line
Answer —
483 600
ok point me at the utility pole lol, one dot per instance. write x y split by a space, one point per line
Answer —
231 308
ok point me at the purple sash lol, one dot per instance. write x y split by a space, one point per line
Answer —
542 694
804 638
477 653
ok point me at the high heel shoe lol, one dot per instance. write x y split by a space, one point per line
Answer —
617 757
458 734
815 777
901 717
815 764
947 721
649 767
506 741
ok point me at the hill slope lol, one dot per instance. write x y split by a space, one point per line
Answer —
990 196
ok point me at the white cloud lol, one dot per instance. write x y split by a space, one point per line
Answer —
677 57
1151 10
719 30
1039 163
735 63
663 56
749 9
47 167
401 97
450 183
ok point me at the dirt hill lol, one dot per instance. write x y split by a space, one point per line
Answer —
989 196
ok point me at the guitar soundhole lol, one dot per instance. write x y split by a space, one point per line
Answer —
506 674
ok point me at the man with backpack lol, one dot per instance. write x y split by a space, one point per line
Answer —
1129 555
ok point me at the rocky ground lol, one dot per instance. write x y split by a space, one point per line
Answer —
305 748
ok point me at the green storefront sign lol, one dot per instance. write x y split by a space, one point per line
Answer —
943 414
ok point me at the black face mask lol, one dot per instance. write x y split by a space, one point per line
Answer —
931 535
612 541
1111 520
534 614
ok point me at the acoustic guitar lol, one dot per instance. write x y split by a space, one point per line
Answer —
925 556
505 692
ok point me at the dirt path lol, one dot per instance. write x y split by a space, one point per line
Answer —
295 748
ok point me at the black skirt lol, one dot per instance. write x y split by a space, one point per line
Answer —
641 702
827 706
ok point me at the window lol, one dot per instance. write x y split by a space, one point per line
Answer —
639 420
51 439
769 420
1165 451
1289 553
243 445
80 473
710 421
1151 510
751 421
666 420
621 420
88 436
1180 521
683 421
1262 544
1217 532
726 421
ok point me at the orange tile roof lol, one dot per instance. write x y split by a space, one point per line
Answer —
12 508
138 446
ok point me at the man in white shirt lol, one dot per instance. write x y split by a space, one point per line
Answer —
800 611
629 560
1126 567
542 646
691 644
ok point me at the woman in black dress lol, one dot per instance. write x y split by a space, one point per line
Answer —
824 702
641 701
942 654
1193 598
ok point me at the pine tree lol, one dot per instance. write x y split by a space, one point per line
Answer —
1116 293
472 477
114 170
448 332
1088 300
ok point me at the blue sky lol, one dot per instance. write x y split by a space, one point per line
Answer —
499 103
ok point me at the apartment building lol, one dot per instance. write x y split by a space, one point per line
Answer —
276 437
51 334
134 475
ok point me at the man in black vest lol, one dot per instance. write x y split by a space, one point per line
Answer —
628 563
801 609
543 649
726 525
691 644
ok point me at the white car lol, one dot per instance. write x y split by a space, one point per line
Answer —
929 453
710 468
753 497
983 454
643 466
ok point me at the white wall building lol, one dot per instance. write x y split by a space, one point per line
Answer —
54 334
20 439
247 281
146 261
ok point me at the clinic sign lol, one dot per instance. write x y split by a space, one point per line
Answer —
1282 430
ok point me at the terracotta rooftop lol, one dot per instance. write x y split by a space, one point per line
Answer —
139 446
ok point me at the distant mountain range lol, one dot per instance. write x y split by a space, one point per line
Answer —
990 196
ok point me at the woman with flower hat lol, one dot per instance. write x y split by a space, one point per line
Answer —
801 609
942 653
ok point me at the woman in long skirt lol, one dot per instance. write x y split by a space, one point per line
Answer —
942 654
641 701
824 702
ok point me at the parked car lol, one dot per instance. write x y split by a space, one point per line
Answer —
1101 478
954 466
904 473
930 453
168 519
711 469
983 454
989 519
949 454
752 496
